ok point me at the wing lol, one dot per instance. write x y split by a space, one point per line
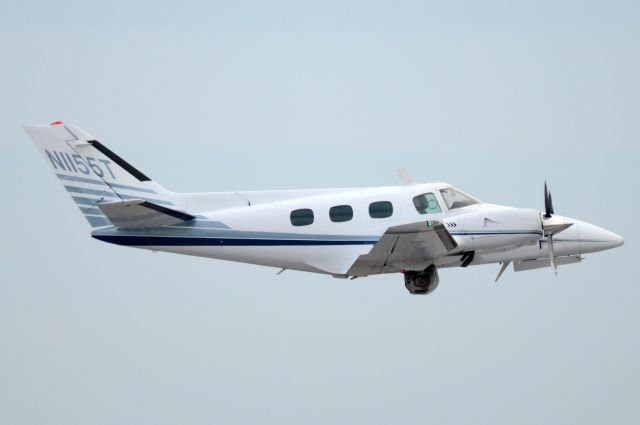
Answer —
411 246
140 214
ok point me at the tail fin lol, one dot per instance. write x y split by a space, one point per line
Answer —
92 173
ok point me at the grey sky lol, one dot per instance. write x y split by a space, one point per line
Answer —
492 97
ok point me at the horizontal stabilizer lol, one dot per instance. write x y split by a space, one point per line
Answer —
140 214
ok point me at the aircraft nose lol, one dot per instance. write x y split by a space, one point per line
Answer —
594 238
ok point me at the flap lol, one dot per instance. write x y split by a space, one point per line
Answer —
411 246
140 214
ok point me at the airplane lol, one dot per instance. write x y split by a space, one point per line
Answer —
413 229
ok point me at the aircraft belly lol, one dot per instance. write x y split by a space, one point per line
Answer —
273 256
184 250
318 259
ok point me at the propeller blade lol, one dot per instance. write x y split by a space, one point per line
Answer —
548 204
552 259
406 177
552 225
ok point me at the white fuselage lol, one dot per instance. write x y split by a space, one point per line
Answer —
256 228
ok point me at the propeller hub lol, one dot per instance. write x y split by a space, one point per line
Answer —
555 224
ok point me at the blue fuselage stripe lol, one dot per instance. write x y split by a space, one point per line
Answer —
497 232
186 240
189 241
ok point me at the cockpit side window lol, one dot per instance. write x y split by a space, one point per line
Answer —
426 204
455 199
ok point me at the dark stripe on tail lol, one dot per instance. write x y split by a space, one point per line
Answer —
173 213
121 162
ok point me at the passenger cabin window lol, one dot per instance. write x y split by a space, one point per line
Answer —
341 213
381 209
455 199
426 204
302 217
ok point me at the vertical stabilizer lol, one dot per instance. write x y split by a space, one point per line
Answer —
91 173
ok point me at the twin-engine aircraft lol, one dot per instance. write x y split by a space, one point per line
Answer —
414 229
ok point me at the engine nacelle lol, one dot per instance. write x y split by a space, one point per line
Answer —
422 283
502 227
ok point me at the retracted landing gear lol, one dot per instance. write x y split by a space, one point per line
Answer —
467 258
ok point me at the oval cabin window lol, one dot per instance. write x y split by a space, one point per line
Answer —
341 213
381 209
301 217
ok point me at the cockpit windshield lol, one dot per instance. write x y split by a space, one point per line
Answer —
455 199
